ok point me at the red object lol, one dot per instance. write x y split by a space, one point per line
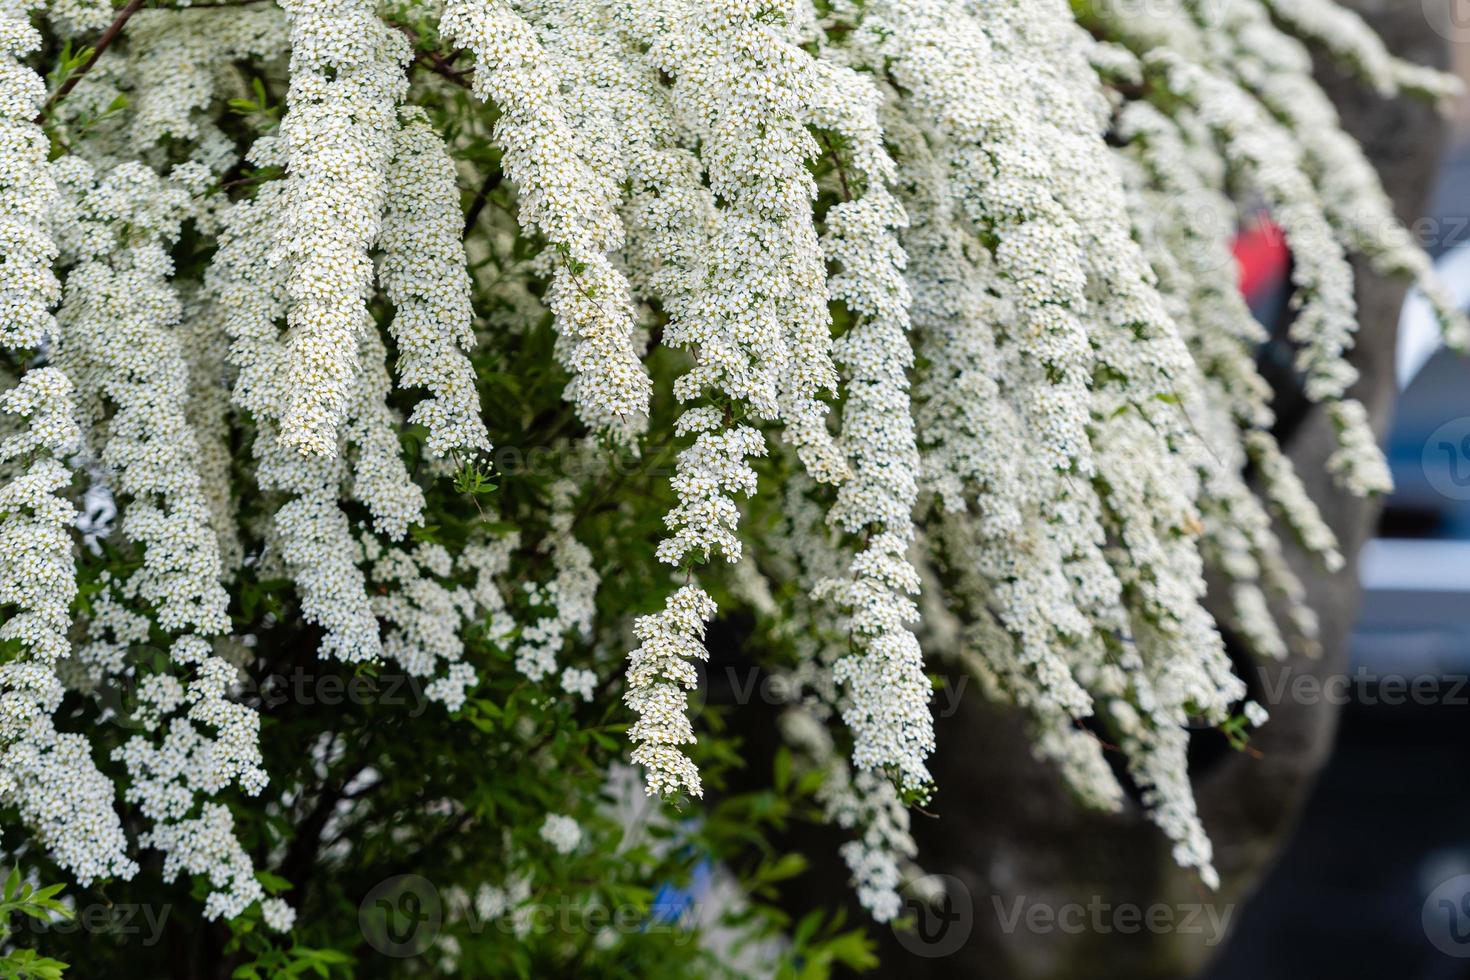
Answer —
1262 257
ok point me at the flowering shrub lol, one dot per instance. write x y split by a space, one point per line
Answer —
398 398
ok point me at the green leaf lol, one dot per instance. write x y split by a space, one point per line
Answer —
782 769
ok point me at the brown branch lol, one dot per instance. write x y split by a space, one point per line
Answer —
108 36
433 60
478 204
302 854
837 164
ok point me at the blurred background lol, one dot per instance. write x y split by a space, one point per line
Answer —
1367 885
1342 834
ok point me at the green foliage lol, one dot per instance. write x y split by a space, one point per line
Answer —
275 963
260 110
22 898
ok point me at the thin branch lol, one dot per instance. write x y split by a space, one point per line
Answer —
478 204
108 36
433 60
837 164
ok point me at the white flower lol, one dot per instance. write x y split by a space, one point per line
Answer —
561 832
564 196
423 273
347 78
37 571
52 780
582 683
659 674
277 914
571 595
27 189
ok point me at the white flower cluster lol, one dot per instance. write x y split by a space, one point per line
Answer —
754 310
976 445
563 833
207 845
760 321
1288 148
380 477
424 617
967 90
828 681
709 473
314 534
1185 248
576 680
485 561
1350 39
49 777
37 574
178 62
565 196
120 344
492 902
571 595
119 341
52 780
27 284
1278 69
865 803
1256 149
965 262
887 708
166 777
346 82
661 672
79 16
423 274
185 756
